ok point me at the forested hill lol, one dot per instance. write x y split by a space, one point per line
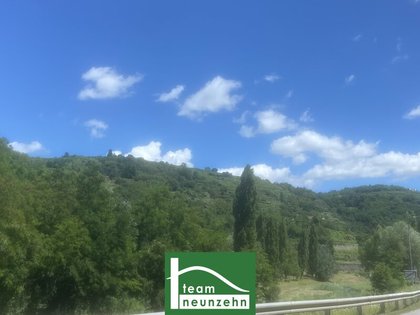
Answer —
88 233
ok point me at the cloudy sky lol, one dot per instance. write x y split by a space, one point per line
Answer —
320 94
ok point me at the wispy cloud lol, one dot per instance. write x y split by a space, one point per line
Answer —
357 38
399 58
172 95
153 152
401 55
243 118
306 117
215 96
413 113
106 83
289 94
31 147
399 46
247 131
96 127
350 79
272 77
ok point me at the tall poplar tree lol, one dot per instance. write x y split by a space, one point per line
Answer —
313 248
260 227
272 242
303 253
283 240
244 206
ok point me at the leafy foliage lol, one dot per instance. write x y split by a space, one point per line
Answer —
384 279
388 252
86 235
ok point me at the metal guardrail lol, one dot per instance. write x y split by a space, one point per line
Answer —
327 306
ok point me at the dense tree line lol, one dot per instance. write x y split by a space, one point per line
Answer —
73 240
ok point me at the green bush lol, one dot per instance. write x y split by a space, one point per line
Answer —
326 264
384 280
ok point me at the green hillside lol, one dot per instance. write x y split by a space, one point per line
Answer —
87 234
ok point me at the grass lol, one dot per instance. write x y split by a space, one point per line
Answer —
348 253
341 285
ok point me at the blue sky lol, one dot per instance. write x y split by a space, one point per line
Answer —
320 94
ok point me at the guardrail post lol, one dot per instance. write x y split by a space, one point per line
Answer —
382 310
328 312
359 310
397 305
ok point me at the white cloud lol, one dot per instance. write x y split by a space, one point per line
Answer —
172 95
414 113
348 80
152 152
215 96
305 142
149 152
271 121
289 94
116 152
105 83
274 175
268 121
306 117
271 78
178 157
379 165
344 159
336 159
235 171
31 147
96 127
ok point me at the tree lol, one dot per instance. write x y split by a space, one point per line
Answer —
271 243
388 252
313 248
244 206
383 279
326 263
260 227
267 289
303 253
283 240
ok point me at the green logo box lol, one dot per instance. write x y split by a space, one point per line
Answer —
210 283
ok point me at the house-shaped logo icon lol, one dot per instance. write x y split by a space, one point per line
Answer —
208 283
